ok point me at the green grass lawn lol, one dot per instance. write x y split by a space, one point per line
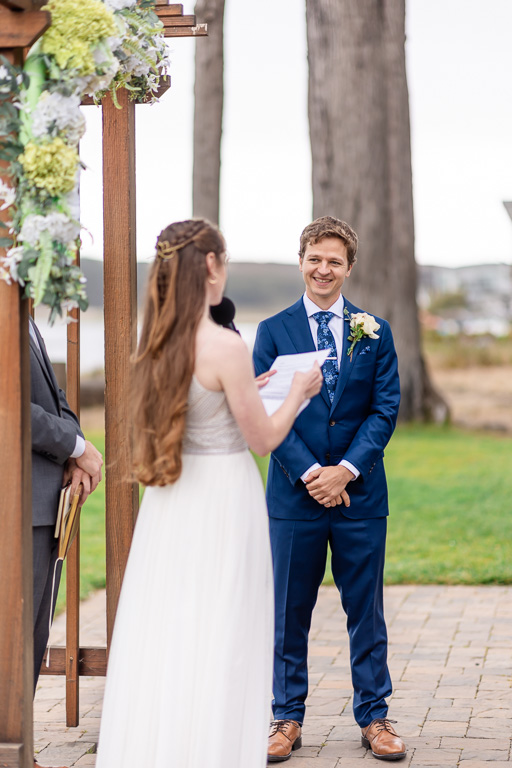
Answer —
450 503
450 507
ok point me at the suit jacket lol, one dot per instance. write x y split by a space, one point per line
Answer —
54 431
356 427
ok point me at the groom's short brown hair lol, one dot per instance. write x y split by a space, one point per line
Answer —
328 226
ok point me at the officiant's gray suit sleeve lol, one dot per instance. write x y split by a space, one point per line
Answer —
53 436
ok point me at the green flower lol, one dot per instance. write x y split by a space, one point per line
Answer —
50 166
77 28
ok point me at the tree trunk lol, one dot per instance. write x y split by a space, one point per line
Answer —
360 140
209 97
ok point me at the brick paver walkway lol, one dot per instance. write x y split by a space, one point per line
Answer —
451 664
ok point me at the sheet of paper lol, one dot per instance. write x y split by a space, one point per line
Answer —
275 392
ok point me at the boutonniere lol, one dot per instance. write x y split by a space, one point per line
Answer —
361 324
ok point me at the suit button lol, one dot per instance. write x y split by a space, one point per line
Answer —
332 423
327 456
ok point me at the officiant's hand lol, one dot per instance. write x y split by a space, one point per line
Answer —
91 462
76 475
327 484
263 378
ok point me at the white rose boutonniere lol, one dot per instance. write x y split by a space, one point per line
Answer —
361 324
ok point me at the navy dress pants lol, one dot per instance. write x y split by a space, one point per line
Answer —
299 550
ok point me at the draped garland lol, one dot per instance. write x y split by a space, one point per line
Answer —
92 47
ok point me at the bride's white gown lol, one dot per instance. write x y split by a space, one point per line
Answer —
189 675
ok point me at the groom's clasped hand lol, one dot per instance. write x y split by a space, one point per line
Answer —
327 485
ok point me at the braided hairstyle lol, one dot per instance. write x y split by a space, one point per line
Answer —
164 363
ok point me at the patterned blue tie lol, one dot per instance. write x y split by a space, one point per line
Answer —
325 340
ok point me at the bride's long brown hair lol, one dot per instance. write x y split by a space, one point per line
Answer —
164 363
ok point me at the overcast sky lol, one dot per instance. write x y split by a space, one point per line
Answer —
459 61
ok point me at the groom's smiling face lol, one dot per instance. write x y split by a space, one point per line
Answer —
324 268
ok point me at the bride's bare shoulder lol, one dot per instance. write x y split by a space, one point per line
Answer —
224 342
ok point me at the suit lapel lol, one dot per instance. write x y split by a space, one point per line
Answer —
347 365
297 326
44 362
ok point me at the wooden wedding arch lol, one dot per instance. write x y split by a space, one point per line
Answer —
21 23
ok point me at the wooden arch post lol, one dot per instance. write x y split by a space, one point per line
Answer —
18 29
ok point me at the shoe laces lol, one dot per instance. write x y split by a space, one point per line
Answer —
383 724
280 726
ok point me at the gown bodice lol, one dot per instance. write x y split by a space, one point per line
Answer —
210 427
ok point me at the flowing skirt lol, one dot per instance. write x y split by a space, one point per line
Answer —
190 669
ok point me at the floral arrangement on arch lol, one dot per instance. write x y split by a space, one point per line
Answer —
91 47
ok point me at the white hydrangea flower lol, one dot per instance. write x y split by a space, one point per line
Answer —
118 5
136 66
56 113
103 53
116 42
7 194
9 265
58 225
72 200
4 72
95 83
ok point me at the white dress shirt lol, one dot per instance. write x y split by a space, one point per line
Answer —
336 326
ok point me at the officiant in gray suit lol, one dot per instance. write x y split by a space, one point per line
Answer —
59 453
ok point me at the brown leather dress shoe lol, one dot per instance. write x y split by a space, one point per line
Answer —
383 740
284 738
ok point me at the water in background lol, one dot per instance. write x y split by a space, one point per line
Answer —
92 345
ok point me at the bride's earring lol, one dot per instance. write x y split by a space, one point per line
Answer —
213 282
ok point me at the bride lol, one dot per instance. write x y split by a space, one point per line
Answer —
189 675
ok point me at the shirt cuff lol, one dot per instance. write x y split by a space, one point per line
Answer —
316 465
348 465
79 447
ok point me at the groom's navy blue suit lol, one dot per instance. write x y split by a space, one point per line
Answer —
356 427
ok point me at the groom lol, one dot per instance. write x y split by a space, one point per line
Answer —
326 484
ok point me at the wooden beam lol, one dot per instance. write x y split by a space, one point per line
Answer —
200 30
168 9
11 755
178 21
73 558
23 5
20 30
16 594
120 313
92 662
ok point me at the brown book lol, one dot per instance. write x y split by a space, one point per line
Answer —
68 518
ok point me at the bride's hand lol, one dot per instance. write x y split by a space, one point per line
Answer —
263 378
310 383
